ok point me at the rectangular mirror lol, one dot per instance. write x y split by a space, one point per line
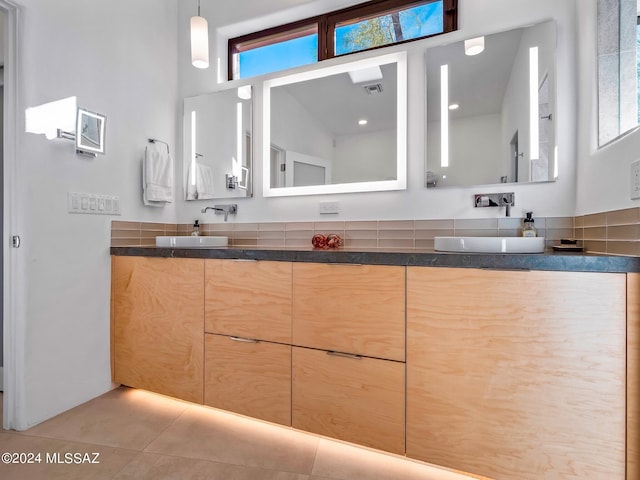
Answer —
491 116
90 129
217 144
337 129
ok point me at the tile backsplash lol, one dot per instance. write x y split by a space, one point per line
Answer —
616 232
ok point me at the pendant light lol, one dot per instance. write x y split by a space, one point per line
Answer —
199 41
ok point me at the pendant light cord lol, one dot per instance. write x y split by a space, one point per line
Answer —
198 7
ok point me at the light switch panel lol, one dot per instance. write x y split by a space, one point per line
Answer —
93 204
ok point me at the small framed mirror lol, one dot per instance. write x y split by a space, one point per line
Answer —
90 132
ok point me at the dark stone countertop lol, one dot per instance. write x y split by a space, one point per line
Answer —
553 261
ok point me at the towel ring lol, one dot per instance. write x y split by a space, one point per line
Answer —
155 140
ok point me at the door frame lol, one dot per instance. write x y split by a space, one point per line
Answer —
13 286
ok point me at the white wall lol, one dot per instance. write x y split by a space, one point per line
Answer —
294 128
474 150
119 59
603 174
365 156
476 17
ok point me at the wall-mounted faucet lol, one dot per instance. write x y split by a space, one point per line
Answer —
506 199
225 210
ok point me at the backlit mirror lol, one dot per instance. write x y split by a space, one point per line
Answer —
217 144
336 129
491 114
90 129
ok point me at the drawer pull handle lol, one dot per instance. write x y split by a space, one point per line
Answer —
244 340
345 355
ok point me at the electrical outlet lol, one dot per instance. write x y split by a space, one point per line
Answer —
329 207
635 180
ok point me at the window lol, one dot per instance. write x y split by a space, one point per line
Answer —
395 26
369 25
276 51
618 68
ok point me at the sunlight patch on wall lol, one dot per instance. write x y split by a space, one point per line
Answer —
47 118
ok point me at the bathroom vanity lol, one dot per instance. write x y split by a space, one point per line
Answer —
521 366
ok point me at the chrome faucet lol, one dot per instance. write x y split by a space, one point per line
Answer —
223 210
506 199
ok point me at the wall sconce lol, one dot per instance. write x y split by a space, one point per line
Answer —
199 41
474 46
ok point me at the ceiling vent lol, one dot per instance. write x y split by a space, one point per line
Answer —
373 89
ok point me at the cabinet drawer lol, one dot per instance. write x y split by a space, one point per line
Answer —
158 325
253 379
248 299
357 400
350 308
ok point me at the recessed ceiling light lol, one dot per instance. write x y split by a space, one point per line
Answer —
363 122
454 106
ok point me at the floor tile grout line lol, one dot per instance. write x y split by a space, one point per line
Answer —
197 406
315 458
206 460
169 425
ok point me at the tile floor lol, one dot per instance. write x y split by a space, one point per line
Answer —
139 435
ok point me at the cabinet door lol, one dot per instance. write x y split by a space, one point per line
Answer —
359 400
350 308
158 325
517 374
249 299
251 378
633 376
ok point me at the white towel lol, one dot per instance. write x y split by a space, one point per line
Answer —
204 182
157 177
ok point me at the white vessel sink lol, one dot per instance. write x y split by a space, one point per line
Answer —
490 244
192 242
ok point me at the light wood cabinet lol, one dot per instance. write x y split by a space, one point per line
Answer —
248 377
248 299
508 374
248 308
158 325
350 308
633 376
358 400
518 374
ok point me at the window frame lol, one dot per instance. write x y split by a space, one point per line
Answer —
326 25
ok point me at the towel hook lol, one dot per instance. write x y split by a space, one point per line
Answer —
155 140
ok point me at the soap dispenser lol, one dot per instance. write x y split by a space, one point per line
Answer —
529 230
196 229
